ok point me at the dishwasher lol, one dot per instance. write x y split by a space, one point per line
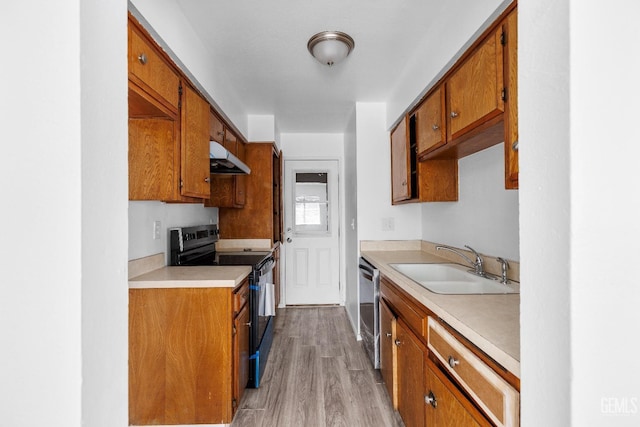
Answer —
369 283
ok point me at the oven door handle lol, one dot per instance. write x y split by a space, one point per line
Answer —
267 265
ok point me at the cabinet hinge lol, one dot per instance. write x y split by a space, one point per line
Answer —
234 331
504 94
234 403
503 38
181 183
180 95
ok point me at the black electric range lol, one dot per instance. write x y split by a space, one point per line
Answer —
190 246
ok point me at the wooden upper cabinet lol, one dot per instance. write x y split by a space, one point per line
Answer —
256 218
510 29
474 91
241 180
153 149
430 122
231 141
195 145
149 70
216 128
400 163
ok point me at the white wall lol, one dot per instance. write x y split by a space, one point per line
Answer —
580 204
63 310
374 180
350 228
262 128
605 207
166 19
486 215
142 215
545 227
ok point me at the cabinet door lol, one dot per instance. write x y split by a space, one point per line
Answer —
240 180
388 351
411 372
474 91
430 122
240 355
231 141
511 105
216 128
195 145
149 70
444 405
400 173
153 150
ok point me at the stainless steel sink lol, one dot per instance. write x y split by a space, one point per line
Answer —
452 279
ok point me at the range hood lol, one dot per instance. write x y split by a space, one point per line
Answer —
224 162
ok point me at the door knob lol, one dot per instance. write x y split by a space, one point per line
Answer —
289 240
388 334
398 342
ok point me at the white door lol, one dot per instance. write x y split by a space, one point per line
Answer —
312 273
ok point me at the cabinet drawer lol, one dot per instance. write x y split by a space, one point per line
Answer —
240 297
411 315
146 64
491 393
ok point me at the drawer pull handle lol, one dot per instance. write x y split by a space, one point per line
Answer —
247 324
142 58
430 399
398 342
453 362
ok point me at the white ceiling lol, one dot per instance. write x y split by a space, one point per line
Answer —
263 46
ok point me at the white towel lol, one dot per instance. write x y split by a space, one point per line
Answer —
266 300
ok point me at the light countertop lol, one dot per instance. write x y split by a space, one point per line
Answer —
191 277
491 322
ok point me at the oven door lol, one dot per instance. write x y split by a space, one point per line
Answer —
262 312
369 282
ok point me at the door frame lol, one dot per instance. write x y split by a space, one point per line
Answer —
341 221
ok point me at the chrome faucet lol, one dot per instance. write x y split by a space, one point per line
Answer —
478 264
505 266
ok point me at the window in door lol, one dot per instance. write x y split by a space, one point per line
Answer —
311 203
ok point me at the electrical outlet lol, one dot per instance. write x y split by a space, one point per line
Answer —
156 230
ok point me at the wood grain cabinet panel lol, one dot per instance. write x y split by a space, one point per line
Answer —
257 219
153 149
195 145
474 91
430 122
510 31
445 406
400 163
188 355
411 359
150 70
388 353
489 391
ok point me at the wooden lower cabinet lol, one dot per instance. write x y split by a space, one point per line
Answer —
188 355
417 378
241 325
411 358
444 404
388 353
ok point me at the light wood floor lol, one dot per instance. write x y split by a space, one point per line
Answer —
317 375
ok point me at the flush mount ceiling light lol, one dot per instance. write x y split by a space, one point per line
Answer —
330 47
